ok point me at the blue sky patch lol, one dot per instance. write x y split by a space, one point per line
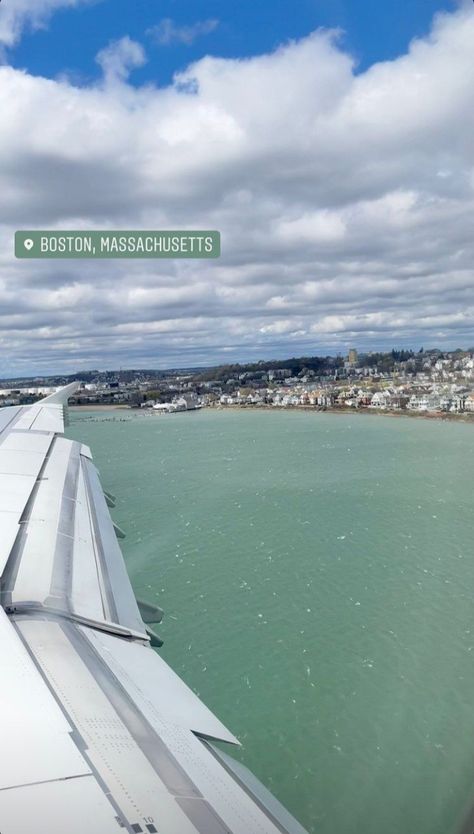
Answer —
175 34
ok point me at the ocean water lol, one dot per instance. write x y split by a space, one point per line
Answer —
317 577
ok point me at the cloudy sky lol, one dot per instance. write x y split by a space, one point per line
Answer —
333 146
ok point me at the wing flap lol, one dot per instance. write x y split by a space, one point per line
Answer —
156 690
9 527
36 751
120 597
118 749
87 590
13 462
44 560
64 555
152 764
25 441
7 416
41 418
14 493
21 460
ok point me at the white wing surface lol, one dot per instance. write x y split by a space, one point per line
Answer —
97 733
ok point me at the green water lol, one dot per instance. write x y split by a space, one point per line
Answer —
317 576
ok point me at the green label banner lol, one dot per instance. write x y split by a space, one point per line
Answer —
128 244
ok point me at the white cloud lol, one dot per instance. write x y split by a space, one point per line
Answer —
167 32
317 227
337 226
17 14
119 58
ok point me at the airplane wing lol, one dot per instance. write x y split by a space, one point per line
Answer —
97 733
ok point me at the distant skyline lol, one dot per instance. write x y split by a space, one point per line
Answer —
264 360
329 142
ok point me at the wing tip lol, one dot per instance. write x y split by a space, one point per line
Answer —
61 396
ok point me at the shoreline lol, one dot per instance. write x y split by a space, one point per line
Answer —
104 407
463 417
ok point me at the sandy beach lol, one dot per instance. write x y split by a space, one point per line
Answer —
96 407
465 417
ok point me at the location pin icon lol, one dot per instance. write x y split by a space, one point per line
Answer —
28 244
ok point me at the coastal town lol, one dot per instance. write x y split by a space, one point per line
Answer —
427 382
